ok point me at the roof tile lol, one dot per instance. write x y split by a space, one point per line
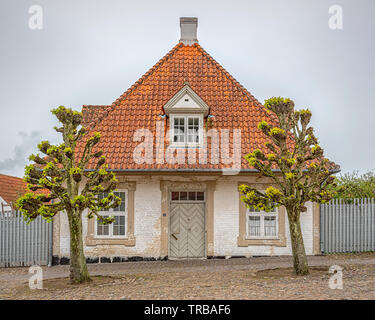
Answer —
232 106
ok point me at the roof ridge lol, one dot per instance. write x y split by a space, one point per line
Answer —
95 105
103 114
231 78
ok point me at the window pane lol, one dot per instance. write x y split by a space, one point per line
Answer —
192 196
101 196
200 196
179 130
270 225
122 230
175 196
193 130
122 220
122 196
119 226
115 230
254 226
252 209
121 207
183 195
102 230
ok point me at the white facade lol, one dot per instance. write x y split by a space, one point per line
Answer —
148 223
226 225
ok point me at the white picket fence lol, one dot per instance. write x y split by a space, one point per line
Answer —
24 244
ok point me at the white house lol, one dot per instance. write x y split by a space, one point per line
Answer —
176 140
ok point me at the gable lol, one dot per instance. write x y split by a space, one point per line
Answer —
186 100
145 105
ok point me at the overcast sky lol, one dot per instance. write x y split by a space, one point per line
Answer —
90 52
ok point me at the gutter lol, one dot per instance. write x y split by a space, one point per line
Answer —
192 170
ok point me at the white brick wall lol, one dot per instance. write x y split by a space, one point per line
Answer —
226 225
147 225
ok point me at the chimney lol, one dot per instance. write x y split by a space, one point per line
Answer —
188 30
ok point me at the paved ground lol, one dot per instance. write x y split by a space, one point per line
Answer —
252 278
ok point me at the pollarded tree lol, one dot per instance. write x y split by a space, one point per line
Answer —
294 162
71 188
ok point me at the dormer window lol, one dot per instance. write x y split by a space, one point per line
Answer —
186 130
186 111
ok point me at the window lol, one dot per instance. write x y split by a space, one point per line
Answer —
186 130
179 130
118 227
187 196
261 224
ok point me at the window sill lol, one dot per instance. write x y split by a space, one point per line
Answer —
179 146
262 238
94 241
110 238
277 242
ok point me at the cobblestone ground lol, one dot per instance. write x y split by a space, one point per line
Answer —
253 278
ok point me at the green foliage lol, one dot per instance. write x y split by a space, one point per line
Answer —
263 125
353 185
61 173
277 132
302 173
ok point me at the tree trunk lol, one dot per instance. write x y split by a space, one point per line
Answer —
78 267
299 254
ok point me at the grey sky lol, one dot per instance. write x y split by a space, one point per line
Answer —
90 52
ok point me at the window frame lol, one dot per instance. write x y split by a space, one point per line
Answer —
196 200
186 117
112 213
262 215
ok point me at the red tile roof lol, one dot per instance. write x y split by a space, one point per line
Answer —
232 106
11 188
91 113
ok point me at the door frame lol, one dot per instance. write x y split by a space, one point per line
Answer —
205 223
207 186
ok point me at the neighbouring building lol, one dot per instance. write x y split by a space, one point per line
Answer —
10 189
176 140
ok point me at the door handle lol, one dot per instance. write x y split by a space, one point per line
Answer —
174 236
